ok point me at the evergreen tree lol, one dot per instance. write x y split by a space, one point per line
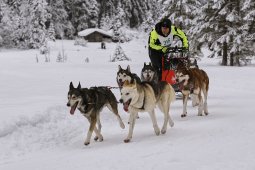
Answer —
248 26
220 25
119 55
32 30
117 23
105 23
77 14
92 12
5 24
59 18
51 32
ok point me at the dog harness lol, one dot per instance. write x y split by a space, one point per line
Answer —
142 108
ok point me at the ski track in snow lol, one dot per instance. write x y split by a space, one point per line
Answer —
42 131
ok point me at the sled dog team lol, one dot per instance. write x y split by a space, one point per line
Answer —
139 95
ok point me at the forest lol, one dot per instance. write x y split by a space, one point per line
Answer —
226 27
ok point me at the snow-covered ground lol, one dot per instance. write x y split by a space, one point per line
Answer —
37 132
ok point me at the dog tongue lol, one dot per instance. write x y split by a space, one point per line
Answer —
72 110
181 86
125 106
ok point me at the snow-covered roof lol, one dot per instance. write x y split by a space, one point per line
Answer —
91 30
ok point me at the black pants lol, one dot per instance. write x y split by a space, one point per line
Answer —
156 60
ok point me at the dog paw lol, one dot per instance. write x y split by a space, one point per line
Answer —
157 132
183 115
96 138
171 123
126 140
86 143
206 113
200 114
122 125
195 104
101 139
163 131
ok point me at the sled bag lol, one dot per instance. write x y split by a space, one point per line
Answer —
168 74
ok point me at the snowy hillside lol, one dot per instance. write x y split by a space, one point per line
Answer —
37 132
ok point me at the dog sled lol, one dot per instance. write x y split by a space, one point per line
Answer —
171 59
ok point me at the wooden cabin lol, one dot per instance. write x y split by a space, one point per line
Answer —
95 35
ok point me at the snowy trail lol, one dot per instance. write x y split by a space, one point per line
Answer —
43 131
37 131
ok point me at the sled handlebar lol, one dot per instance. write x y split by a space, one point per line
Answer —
176 50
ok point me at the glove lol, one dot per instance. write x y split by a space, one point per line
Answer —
164 49
186 49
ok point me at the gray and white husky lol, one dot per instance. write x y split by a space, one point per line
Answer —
149 73
90 103
143 97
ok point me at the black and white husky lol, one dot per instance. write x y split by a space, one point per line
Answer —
90 103
126 75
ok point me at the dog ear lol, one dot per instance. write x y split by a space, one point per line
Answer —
144 64
150 64
128 68
79 86
71 86
120 67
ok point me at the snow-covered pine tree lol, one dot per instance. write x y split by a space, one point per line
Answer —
51 32
117 23
37 17
59 18
220 26
248 27
119 55
5 24
105 23
149 23
106 12
92 13
215 27
77 14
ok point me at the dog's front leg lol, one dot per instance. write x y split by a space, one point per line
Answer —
185 101
132 119
154 122
92 121
98 135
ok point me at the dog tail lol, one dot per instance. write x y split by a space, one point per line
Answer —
172 93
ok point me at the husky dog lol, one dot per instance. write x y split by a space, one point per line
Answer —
149 73
90 102
142 97
193 81
126 75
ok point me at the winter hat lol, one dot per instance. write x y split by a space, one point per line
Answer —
166 23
